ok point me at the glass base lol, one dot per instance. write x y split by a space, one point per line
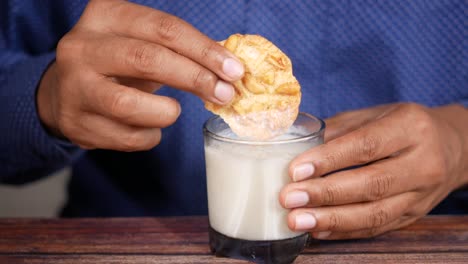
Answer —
268 251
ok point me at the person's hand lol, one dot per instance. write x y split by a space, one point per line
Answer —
98 93
412 157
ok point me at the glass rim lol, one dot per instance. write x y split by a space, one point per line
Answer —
314 134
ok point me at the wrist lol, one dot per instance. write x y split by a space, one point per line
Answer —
44 96
455 116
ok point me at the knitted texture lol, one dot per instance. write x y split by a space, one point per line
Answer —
345 54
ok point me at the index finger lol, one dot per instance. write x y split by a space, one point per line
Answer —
374 141
346 122
144 23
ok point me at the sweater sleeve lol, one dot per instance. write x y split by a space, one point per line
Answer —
27 150
29 32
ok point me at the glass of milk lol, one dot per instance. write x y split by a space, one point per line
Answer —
244 178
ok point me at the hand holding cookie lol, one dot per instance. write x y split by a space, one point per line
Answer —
99 91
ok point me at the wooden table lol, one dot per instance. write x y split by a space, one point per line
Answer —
434 239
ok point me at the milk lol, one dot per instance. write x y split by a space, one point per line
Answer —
244 180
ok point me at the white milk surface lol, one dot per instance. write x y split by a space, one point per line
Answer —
244 182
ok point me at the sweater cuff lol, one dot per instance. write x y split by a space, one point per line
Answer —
31 151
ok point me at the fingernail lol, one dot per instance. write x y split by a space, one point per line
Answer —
179 109
305 221
322 235
224 91
303 171
233 68
296 199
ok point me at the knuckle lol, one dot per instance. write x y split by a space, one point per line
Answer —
96 10
133 141
377 218
377 186
69 47
122 104
170 28
335 221
423 126
331 160
208 50
203 79
368 148
330 194
99 5
412 109
421 121
143 59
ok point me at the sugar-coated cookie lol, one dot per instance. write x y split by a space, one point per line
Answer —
267 98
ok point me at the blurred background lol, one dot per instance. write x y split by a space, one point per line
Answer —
42 198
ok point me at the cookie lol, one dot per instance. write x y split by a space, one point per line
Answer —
267 98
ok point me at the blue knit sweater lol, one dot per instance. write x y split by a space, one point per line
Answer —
346 55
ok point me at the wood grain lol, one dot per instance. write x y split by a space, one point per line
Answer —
410 258
433 239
